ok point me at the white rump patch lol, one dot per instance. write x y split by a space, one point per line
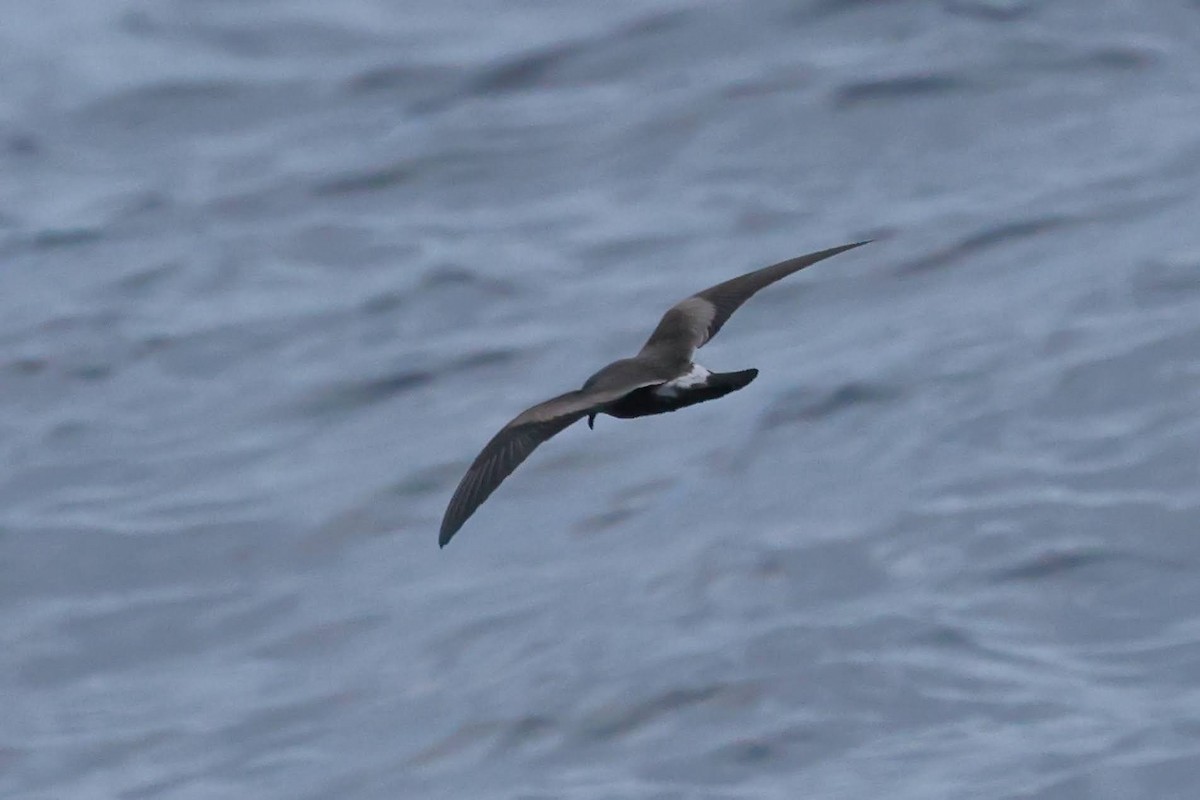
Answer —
696 376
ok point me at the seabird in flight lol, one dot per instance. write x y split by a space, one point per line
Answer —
661 377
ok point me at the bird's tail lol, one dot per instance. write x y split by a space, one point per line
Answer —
726 382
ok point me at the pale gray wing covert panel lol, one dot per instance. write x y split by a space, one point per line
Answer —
691 323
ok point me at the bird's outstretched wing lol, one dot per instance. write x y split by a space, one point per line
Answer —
517 440
690 323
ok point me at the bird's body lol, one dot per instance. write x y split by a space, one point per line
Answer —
695 386
662 377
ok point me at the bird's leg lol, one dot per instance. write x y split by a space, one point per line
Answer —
591 421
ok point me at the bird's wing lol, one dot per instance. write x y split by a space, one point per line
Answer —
517 440
690 323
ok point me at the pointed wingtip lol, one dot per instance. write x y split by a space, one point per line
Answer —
833 251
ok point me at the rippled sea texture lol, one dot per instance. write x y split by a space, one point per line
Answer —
272 272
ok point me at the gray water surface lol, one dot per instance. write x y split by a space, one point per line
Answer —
271 273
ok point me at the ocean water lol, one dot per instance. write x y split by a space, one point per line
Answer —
272 272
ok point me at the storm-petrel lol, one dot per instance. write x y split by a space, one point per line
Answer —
661 377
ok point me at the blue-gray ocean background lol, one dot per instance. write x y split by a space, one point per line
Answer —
271 273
